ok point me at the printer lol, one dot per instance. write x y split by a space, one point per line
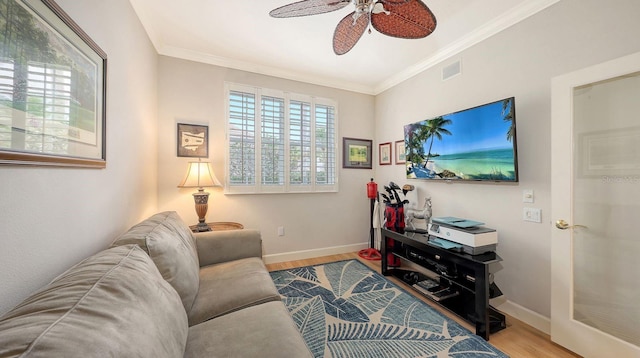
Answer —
463 235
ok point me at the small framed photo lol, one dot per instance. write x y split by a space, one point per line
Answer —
385 153
401 155
356 153
193 140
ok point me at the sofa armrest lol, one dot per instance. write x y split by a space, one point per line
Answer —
222 246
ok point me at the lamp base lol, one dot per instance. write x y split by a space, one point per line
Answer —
201 198
202 227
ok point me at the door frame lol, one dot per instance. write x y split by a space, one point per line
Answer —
574 335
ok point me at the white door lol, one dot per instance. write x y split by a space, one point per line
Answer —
595 190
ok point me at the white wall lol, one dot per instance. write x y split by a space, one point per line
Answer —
52 218
191 92
520 62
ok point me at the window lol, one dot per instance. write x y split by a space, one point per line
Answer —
279 142
40 118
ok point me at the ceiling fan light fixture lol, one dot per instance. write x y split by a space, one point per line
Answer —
409 19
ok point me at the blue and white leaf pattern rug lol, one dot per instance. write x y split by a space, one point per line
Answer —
344 309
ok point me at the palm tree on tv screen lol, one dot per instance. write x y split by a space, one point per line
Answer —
415 136
435 129
507 111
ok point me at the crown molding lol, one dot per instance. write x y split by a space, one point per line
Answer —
503 22
512 17
197 56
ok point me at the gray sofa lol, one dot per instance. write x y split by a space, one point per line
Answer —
159 291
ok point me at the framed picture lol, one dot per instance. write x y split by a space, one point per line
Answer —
385 153
401 155
193 140
53 89
356 153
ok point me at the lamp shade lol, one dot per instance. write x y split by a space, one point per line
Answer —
199 175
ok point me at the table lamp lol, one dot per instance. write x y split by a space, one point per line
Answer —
200 175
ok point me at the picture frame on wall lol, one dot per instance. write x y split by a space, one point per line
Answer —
55 75
401 153
356 153
384 153
193 140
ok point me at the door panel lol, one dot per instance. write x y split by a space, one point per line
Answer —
596 190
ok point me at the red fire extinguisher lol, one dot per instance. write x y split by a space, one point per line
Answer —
372 189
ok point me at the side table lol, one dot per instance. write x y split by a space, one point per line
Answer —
220 226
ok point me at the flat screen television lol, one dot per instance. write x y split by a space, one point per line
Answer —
476 144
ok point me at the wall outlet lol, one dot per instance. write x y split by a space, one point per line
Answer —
280 230
532 214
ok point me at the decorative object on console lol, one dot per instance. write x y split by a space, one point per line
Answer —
409 19
200 175
422 214
193 140
385 153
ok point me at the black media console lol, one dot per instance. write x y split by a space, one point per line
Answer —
456 281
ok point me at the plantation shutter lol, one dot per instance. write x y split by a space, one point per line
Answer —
299 143
6 93
272 155
325 145
294 150
48 108
242 138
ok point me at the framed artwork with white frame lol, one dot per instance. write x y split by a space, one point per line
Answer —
385 152
401 155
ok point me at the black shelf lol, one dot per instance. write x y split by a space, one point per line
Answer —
463 278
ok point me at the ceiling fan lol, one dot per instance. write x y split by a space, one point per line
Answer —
410 19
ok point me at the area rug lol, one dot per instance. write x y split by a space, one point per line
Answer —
345 309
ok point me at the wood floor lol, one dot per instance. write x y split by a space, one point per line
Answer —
518 340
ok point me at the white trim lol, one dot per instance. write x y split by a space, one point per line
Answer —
514 16
313 253
533 319
201 57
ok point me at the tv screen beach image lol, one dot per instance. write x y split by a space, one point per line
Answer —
475 144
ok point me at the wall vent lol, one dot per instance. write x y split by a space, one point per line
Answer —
451 70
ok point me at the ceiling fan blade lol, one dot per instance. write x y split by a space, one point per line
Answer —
410 19
348 32
308 7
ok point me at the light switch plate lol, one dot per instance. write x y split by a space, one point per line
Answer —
532 214
527 196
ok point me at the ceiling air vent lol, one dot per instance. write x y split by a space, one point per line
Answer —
451 70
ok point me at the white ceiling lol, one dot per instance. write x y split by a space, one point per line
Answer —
240 34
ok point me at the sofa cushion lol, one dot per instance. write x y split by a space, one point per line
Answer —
112 304
230 286
263 331
170 244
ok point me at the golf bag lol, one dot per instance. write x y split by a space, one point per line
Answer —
394 221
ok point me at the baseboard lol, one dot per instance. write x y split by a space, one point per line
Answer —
309 254
523 314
